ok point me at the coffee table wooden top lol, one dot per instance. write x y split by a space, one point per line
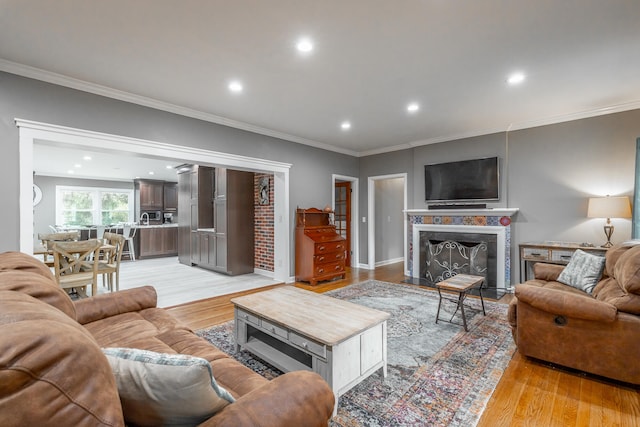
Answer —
319 317
460 282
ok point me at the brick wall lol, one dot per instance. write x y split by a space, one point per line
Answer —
263 225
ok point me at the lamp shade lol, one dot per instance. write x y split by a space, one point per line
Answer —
609 207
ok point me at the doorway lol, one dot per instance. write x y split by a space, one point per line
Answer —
381 215
345 197
30 131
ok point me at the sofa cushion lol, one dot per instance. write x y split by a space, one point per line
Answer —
39 286
627 270
52 372
165 389
583 271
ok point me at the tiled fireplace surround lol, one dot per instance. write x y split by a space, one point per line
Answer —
496 222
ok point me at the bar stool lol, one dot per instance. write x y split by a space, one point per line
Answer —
129 232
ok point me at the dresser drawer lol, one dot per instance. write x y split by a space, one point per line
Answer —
275 329
560 255
329 257
535 253
308 345
328 247
248 317
328 268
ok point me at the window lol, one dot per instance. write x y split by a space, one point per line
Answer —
93 206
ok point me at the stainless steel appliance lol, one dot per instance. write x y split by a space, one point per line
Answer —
168 217
155 217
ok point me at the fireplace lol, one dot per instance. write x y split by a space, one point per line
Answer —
483 248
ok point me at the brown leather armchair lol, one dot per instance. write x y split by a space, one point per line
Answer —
598 333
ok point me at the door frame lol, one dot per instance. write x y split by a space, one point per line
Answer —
371 232
355 251
31 131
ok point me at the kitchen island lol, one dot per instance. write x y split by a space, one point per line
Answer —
156 240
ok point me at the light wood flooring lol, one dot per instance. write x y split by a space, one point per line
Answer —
530 393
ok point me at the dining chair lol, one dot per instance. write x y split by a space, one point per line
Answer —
73 264
109 266
129 232
48 239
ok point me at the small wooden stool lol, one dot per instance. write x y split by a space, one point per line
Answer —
462 284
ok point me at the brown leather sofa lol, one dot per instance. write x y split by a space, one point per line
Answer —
53 372
598 333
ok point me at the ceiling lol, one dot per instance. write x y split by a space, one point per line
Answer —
370 59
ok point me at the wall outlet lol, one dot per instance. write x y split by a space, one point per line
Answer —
364 219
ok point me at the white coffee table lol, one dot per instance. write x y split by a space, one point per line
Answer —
294 329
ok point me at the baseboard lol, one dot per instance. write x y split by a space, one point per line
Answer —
389 261
266 273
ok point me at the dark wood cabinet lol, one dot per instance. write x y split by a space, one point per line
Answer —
151 194
320 250
157 241
218 231
170 196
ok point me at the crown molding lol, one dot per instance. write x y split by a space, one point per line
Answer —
61 80
96 89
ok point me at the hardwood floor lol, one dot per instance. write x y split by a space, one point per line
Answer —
530 393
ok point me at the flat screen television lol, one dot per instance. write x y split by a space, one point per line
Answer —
476 180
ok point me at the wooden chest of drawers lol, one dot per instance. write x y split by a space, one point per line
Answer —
320 250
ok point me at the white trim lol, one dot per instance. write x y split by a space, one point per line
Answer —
265 273
355 213
62 80
464 212
389 261
501 241
30 131
371 234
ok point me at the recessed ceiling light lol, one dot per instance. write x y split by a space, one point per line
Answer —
413 107
86 158
70 171
304 45
516 78
151 173
77 165
345 125
169 167
235 86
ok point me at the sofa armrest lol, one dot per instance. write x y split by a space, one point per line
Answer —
548 272
299 398
107 305
566 304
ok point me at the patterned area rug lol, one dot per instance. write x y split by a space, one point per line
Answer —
438 374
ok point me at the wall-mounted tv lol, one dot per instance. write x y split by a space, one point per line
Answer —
476 180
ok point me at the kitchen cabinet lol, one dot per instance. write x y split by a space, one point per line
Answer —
158 241
215 208
170 196
150 194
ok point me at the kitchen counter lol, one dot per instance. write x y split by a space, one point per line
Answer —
156 225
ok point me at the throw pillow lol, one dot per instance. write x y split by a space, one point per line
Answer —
583 271
165 389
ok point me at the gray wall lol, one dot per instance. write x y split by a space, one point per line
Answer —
389 219
547 172
310 176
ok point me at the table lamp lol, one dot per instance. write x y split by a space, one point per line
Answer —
609 207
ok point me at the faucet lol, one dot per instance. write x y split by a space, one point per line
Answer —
142 218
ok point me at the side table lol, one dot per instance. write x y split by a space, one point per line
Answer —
460 284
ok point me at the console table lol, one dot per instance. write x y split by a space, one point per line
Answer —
551 253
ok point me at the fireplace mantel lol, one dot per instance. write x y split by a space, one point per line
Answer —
463 212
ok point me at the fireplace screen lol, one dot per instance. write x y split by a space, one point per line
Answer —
448 258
